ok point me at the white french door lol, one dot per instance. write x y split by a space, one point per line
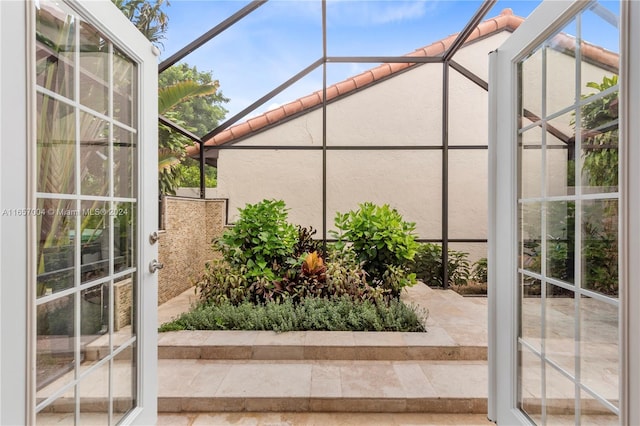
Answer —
86 148
563 285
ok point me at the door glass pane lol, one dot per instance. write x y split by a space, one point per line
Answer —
560 327
560 68
530 231
599 348
56 146
600 144
600 246
530 162
560 397
94 155
55 48
530 384
561 240
531 312
123 89
94 240
124 161
94 397
530 72
560 155
55 350
56 221
94 69
124 373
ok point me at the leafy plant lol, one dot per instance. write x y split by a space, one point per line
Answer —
380 238
222 283
428 265
479 271
261 239
306 243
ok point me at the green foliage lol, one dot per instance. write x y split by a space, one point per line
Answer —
427 265
189 171
148 17
306 243
479 271
600 136
203 113
261 240
380 238
341 314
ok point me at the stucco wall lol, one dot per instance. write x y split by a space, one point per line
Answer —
190 225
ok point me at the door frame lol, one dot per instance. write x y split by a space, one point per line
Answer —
17 192
503 296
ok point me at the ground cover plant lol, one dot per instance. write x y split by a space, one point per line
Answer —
315 314
274 275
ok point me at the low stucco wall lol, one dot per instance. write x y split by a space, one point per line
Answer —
190 225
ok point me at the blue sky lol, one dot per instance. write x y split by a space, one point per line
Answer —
283 37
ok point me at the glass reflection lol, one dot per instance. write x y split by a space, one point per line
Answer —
56 222
95 240
530 78
55 48
599 348
94 396
56 147
124 373
531 312
55 346
94 69
94 155
561 240
124 79
124 163
600 246
560 327
530 384
560 53
530 234
530 163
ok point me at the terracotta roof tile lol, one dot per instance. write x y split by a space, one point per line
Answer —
505 21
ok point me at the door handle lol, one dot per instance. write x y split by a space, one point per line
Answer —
154 237
154 265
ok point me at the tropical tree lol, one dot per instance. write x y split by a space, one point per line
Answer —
148 17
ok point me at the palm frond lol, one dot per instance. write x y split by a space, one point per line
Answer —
170 96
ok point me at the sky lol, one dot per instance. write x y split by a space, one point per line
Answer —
283 37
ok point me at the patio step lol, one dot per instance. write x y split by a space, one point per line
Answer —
316 345
201 386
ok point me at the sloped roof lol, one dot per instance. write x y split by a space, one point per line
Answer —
505 21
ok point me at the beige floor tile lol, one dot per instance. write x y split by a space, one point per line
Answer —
413 380
371 381
274 380
325 381
175 376
208 379
457 379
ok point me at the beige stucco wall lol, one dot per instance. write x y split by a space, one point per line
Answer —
190 225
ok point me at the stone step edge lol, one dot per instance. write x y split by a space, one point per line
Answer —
333 352
322 404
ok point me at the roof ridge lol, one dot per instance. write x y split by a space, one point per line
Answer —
506 20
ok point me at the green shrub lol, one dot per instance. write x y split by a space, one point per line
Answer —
380 238
221 282
341 314
479 272
427 265
261 240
